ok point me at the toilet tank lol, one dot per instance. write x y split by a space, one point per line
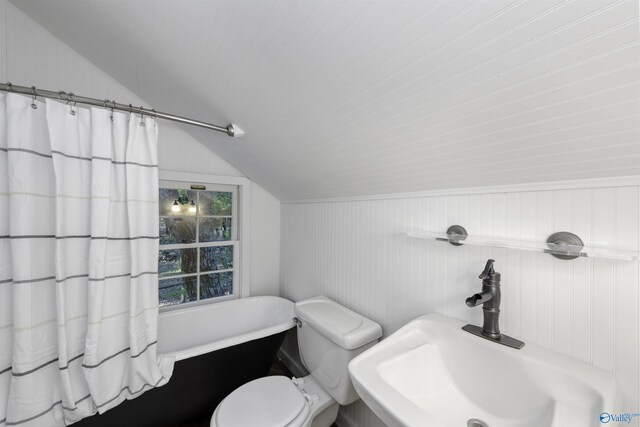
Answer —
329 337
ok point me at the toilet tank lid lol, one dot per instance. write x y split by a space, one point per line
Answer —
342 326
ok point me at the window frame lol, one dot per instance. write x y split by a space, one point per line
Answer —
240 229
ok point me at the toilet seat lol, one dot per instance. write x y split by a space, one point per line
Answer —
265 402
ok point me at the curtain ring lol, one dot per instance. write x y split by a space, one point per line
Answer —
60 93
33 98
130 108
106 102
141 116
10 86
69 99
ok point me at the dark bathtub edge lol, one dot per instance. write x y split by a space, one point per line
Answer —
197 385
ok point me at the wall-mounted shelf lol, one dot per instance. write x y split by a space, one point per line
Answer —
562 245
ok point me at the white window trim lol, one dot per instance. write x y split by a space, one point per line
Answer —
243 279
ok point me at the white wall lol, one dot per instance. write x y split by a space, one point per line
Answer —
357 253
179 151
265 237
29 55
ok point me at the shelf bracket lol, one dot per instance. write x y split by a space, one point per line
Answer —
456 234
557 241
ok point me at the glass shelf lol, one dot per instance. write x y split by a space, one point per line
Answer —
562 250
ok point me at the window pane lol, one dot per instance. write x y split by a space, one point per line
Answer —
215 203
215 229
177 230
216 258
178 290
178 261
216 285
169 196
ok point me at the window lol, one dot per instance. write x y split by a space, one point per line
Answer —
199 243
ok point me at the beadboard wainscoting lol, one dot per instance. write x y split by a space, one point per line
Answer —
357 253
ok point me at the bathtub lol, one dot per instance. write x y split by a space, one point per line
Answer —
218 347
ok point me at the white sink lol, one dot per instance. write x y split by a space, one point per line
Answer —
432 373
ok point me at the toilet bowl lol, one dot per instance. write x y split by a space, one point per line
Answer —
329 336
276 401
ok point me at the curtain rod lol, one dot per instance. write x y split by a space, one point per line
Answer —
231 129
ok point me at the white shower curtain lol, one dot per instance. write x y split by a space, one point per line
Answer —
78 261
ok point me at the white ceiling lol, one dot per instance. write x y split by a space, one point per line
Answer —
367 97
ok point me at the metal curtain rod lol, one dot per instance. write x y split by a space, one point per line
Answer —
231 130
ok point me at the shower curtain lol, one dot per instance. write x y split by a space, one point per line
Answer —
78 261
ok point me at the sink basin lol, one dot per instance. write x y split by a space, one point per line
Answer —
431 373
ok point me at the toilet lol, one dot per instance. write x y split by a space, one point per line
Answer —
329 336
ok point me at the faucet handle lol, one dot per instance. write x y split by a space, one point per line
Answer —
488 269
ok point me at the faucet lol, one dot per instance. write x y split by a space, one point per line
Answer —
489 297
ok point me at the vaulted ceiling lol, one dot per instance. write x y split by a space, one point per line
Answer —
363 97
